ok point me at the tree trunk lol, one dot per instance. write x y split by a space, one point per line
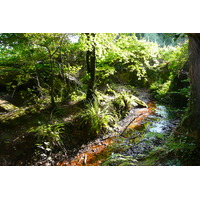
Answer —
91 68
191 123
53 104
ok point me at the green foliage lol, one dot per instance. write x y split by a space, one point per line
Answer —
109 90
103 74
124 101
77 95
175 56
129 54
37 66
121 52
74 70
154 135
48 135
180 145
185 91
175 151
172 61
97 120
42 57
160 89
120 160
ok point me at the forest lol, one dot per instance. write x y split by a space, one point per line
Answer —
99 99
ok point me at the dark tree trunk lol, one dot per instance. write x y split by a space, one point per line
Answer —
194 48
191 123
91 68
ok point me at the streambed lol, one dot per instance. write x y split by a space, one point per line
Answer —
140 138
132 141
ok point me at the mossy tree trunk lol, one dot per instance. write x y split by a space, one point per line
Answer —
91 68
191 124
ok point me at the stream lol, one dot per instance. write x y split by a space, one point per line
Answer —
131 142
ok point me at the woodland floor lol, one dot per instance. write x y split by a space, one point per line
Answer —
17 148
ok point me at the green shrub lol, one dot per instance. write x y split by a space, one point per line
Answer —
176 151
172 60
160 89
95 119
48 135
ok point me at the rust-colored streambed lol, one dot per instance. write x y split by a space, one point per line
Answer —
99 152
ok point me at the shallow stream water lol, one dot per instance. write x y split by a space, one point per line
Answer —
141 137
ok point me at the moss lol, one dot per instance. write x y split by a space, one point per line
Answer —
150 161
124 102
120 160
138 101
20 112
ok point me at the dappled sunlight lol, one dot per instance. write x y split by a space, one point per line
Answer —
92 99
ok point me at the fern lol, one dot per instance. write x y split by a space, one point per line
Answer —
96 119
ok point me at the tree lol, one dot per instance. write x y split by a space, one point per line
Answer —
52 44
20 56
38 56
91 67
191 124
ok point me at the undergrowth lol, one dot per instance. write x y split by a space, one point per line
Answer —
96 119
175 151
48 138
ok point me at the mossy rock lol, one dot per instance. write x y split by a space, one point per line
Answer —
127 101
18 113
